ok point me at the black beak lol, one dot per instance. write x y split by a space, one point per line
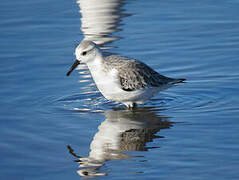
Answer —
76 63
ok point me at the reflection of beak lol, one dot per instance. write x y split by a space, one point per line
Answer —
76 63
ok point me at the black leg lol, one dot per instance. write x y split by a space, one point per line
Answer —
134 105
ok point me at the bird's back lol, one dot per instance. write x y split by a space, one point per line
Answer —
135 75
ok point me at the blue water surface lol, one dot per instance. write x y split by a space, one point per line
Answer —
58 127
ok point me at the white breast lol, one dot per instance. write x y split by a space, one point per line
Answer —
106 81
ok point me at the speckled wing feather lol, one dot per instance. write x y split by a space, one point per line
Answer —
134 74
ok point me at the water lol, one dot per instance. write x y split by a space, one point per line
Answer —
49 121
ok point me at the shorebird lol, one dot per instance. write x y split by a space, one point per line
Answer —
119 78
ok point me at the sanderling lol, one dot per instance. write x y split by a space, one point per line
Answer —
119 78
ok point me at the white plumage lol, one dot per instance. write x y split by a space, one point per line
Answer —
121 79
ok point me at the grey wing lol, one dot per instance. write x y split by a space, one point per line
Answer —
137 75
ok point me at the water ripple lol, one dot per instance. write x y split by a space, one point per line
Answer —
191 99
85 102
198 97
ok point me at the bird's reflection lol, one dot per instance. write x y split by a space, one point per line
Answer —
100 19
121 131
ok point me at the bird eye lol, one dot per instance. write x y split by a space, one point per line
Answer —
84 53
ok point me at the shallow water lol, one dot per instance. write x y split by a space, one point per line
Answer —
58 127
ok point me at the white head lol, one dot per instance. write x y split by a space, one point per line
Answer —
85 52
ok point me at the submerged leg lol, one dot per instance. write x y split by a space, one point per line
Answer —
131 106
134 105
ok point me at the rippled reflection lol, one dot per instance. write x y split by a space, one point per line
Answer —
121 131
100 19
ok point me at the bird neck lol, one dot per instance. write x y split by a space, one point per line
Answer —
97 63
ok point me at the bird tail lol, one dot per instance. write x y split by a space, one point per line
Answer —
177 81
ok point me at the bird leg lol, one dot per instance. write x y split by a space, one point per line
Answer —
131 106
